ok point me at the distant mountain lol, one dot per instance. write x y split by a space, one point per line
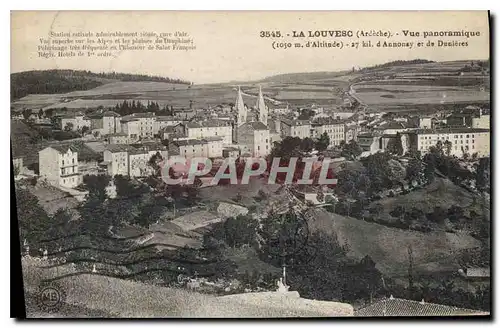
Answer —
63 81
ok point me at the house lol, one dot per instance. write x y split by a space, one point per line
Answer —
138 163
72 121
105 123
162 122
295 128
460 140
189 148
230 152
116 159
88 159
254 138
335 130
118 138
397 307
369 142
130 126
58 164
208 128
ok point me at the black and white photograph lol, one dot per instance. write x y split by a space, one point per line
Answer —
259 164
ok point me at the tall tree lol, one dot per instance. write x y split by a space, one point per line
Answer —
323 142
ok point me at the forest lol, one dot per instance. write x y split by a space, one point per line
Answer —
63 81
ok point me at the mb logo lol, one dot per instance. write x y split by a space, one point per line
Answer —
50 297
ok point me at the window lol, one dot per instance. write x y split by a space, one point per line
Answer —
63 162
258 147
73 161
64 181
467 136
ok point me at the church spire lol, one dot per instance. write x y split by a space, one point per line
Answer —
240 108
261 107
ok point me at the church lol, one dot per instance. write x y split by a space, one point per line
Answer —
251 129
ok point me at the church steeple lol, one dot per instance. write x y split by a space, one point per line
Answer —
240 108
261 107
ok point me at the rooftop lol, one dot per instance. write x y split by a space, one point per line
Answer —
295 122
449 130
190 142
118 148
401 307
256 125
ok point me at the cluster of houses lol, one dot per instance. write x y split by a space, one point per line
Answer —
125 144
462 133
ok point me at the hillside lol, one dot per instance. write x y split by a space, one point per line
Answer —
62 81
388 247
95 295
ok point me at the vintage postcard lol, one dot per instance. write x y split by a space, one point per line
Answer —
232 164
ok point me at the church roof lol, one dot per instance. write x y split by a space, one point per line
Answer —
257 125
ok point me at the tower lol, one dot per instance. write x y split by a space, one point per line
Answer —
240 109
261 107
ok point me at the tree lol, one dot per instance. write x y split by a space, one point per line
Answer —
430 167
26 114
438 215
351 150
85 130
455 213
96 185
395 171
307 145
414 170
68 127
482 175
123 185
323 142
237 231
395 146
306 114
32 218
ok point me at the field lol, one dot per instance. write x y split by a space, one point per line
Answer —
422 84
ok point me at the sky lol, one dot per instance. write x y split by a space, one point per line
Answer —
229 46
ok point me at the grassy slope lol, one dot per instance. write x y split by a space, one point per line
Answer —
441 192
110 297
388 246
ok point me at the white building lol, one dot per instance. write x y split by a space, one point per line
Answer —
105 123
130 126
58 164
207 129
116 158
75 121
463 140
295 128
334 129
145 122
138 163
254 138
162 122
190 148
